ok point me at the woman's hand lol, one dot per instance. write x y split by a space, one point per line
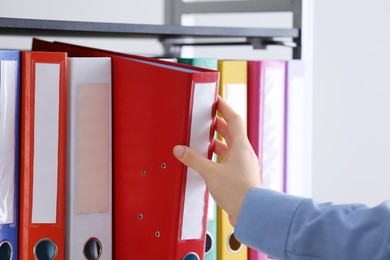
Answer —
228 181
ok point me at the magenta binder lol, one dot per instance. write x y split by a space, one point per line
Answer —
266 125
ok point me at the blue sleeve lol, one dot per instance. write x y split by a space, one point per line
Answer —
289 227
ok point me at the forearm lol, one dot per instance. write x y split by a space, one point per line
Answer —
288 227
265 220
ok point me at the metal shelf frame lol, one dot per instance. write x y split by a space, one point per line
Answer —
175 9
171 36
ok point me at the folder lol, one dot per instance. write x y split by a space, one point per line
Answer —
266 124
160 206
233 88
9 152
296 147
43 154
89 163
211 235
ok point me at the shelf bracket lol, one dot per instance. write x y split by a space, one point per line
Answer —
173 46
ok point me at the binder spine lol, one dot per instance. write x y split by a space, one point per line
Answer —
9 152
42 207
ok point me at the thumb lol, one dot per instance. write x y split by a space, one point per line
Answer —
194 160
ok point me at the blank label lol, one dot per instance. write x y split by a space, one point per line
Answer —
47 85
93 148
194 201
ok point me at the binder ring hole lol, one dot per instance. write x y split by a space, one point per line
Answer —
157 234
209 243
233 245
191 256
45 249
92 249
164 165
5 250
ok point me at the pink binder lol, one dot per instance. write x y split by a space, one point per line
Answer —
266 125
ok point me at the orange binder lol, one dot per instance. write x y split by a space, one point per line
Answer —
160 206
43 150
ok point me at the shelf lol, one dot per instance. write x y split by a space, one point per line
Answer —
173 37
27 26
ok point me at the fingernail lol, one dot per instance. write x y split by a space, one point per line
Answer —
178 151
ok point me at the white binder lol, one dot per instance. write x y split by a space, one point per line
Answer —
89 196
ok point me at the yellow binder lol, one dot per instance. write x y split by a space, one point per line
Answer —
233 88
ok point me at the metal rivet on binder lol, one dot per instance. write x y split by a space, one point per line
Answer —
45 248
164 165
157 233
234 245
93 248
6 250
143 173
140 216
191 256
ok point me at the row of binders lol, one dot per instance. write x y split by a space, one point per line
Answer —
270 98
86 139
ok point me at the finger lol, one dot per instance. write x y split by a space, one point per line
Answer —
220 149
225 109
194 160
234 121
222 129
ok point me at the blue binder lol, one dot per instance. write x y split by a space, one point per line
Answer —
9 152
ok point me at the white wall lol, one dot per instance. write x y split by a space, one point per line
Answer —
351 131
118 11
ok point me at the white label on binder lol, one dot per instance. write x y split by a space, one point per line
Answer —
296 136
273 129
93 148
236 97
211 208
7 140
45 175
194 201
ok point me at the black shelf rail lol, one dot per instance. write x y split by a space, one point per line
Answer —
26 26
166 33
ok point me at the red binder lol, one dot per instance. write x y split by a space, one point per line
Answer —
160 206
43 150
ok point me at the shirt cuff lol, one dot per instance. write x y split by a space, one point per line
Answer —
264 220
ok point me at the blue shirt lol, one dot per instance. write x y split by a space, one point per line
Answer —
289 227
